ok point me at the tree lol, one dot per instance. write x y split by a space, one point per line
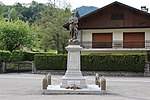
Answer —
13 14
33 11
54 36
2 9
14 35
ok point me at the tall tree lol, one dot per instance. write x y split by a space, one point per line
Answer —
54 36
3 10
13 14
14 35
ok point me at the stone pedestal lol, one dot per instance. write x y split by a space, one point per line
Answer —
73 75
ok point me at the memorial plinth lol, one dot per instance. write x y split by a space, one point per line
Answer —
73 75
73 82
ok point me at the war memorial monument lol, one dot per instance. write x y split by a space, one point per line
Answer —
73 82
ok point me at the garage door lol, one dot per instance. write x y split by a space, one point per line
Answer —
134 40
102 40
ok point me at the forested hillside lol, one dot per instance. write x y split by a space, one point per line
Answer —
34 26
25 12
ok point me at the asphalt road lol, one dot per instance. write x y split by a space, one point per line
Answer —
28 87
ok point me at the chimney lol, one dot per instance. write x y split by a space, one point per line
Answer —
143 8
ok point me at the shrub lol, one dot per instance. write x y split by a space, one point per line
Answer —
28 56
131 63
5 56
50 62
17 55
148 56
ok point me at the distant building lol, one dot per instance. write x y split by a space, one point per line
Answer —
115 28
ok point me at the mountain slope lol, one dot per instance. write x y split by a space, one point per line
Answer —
83 10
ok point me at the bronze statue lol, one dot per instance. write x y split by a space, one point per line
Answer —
73 27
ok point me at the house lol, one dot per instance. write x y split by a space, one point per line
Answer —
115 28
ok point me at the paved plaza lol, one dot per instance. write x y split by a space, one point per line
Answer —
28 87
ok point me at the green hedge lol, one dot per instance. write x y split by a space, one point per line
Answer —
29 56
132 63
148 56
50 62
19 55
5 56
16 55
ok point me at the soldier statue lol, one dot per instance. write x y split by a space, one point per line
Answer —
73 27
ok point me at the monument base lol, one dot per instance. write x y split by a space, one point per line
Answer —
90 90
73 75
78 81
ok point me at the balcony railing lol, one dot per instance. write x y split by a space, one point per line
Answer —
116 44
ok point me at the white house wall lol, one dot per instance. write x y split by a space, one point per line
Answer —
147 35
87 36
117 33
147 38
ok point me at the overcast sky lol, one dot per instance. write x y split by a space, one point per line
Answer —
98 3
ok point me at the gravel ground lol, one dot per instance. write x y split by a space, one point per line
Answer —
28 87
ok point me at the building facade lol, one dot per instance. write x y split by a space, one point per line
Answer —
115 28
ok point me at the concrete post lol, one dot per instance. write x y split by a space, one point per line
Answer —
49 79
33 68
3 67
44 82
147 69
97 80
148 56
103 83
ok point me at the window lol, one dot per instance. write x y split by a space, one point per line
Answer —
117 16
